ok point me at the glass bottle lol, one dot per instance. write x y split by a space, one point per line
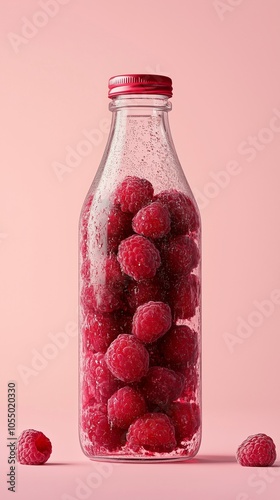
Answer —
139 289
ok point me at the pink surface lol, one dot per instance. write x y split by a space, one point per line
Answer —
223 58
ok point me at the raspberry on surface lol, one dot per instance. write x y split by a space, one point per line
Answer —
124 406
186 420
33 448
99 383
179 346
184 216
139 292
127 358
154 432
118 228
133 193
138 257
162 386
180 255
152 221
99 431
151 321
184 296
257 450
99 330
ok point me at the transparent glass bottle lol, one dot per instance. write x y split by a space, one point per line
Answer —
139 291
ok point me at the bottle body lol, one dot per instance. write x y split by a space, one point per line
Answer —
139 295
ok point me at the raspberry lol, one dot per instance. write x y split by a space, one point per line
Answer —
184 217
33 448
119 227
134 193
139 292
186 420
151 321
127 358
181 255
152 221
125 406
99 383
184 296
179 346
153 431
138 258
156 358
103 438
257 451
101 298
99 331
162 386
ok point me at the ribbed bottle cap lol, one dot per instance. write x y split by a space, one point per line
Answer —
140 84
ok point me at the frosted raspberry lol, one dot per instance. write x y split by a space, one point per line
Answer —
184 296
103 438
257 450
153 431
84 225
99 383
99 330
162 386
125 406
85 270
181 255
138 258
184 217
112 272
179 346
191 380
139 292
152 221
101 298
33 448
88 411
186 420
134 193
151 321
85 213
119 227
127 358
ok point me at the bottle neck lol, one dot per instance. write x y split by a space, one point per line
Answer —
141 102
140 119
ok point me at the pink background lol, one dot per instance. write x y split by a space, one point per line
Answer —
223 58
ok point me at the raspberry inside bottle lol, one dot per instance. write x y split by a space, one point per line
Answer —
140 288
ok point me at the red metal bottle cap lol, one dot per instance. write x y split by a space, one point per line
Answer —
140 84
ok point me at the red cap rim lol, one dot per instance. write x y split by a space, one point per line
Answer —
139 84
